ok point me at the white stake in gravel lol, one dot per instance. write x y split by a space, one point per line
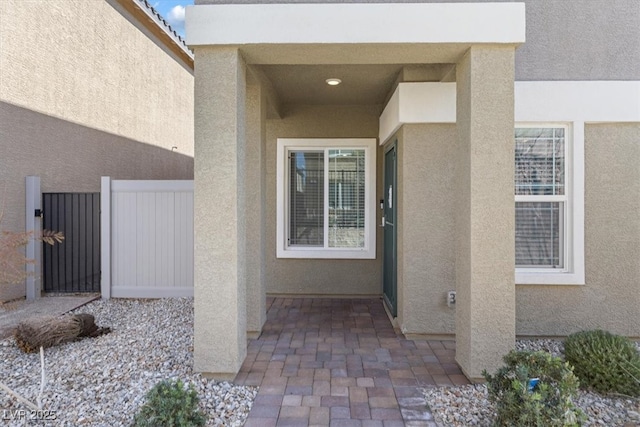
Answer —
43 379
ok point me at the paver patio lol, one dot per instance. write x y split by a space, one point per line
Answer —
339 362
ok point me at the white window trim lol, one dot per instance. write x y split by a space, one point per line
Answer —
573 272
284 145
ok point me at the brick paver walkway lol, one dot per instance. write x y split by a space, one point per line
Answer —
339 362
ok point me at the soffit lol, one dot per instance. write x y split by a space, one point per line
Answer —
362 84
306 84
353 54
369 72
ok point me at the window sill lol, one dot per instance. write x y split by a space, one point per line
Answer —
312 253
549 278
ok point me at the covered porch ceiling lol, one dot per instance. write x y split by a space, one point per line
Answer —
293 48
361 84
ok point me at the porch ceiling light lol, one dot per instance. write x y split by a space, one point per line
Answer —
333 82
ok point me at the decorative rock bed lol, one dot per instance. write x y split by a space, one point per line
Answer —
469 405
102 381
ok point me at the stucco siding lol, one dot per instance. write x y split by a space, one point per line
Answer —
580 40
84 62
70 157
86 91
610 299
220 191
565 39
317 276
426 243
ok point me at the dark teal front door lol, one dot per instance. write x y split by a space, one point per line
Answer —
389 266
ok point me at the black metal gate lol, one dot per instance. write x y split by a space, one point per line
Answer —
73 265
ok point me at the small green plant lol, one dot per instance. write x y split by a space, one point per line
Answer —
170 404
534 389
604 362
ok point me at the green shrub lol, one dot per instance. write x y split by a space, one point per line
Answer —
548 403
604 362
170 404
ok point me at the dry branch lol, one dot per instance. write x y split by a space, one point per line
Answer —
43 379
51 237
12 257
19 398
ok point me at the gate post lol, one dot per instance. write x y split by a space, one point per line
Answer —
105 237
33 226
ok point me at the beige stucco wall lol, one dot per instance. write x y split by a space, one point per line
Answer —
69 158
220 208
85 93
485 219
316 276
426 227
255 252
610 299
84 62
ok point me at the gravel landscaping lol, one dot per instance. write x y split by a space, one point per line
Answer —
102 381
469 405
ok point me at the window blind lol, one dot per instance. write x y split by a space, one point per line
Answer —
306 201
538 228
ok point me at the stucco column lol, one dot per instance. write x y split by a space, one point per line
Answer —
255 163
485 260
219 278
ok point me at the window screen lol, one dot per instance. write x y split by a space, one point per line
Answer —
346 198
540 161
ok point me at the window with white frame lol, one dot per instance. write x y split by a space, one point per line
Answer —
549 202
326 198
542 197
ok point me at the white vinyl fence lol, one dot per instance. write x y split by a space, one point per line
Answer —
147 238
